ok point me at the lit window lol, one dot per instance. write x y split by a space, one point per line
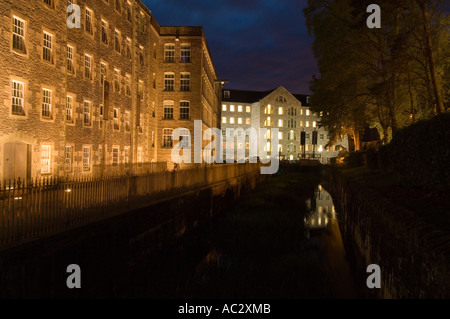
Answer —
308 112
240 120
115 156
167 138
19 35
184 110
247 121
116 119
307 123
224 108
248 109
185 82
70 67
47 53
169 53
87 66
117 40
46 103
314 124
69 109
68 158
280 111
280 123
224 120
168 110
127 121
232 120
231 108
185 53
89 21
87 113
240 109
169 81
280 135
116 80
127 155
17 98
86 158
45 159
104 32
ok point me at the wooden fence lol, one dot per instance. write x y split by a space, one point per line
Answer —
34 209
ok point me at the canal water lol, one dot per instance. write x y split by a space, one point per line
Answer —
280 241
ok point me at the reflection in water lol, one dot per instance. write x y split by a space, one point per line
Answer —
321 210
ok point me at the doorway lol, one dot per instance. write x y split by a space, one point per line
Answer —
16 161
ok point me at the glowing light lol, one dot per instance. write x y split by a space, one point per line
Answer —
68 190
17 198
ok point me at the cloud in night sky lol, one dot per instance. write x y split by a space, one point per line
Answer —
255 44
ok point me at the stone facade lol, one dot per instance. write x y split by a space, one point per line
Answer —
290 114
58 116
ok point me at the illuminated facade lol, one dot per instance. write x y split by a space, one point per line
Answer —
289 113
94 99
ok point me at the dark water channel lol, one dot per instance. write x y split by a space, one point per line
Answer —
280 241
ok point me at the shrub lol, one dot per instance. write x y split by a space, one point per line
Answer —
420 153
355 159
372 158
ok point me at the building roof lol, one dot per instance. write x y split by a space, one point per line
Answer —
245 96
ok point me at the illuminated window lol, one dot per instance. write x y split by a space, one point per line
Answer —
248 109
308 112
127 121
231 108
232 120
115 156
47 53
185 53
169 81
280 135
117 40
168 110
70 51
240 109
280 123
17 98
104 32
88 66
45 159
184 110
141 89
239 120
88 25
268 122
127 84
167 138
19 35
139 155
86 158
87 113
247 121
314 124
46 103
127 155
128 52
68 158
116 80
169 52
69 109
116 119
280 111
185 82
141 22
103 72
224 120
307 123
291 136
224 108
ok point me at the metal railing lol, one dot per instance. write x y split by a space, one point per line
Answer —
36 208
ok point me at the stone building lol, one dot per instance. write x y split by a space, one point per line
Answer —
93 99
289 113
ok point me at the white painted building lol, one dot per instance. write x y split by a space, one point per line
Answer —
289 113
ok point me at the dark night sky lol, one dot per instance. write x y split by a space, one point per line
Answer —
255 44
